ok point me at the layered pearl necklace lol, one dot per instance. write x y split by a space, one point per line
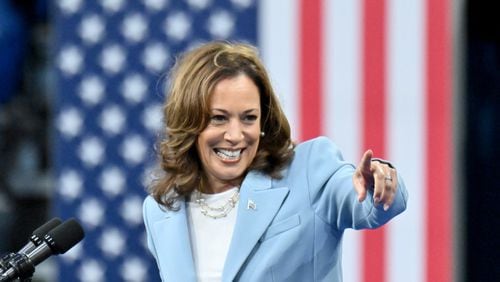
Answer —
216 212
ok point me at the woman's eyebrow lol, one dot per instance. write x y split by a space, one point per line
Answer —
226 112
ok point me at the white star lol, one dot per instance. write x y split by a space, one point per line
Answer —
221 24
91 90
156 5
134 269
112 181
112 120
70 6
134 88
112 242
92 29
199 4
131 210
91 271
177 26
133 149
112 6
91 212
242 4
74 253
113 59
70 60
134 27
70 122
70 185
152 117
91 151
155 57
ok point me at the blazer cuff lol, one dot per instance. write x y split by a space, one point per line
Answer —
383 161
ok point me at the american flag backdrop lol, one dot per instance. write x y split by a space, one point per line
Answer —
366 73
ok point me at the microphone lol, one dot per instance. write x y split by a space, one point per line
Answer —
35 240
37 236
57 241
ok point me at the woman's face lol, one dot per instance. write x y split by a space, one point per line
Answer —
228 145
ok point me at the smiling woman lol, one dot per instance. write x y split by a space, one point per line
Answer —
219 87
237 200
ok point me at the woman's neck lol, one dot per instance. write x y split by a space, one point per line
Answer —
214 187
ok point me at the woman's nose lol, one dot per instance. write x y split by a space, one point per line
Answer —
234 132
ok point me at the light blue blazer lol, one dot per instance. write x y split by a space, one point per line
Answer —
294 231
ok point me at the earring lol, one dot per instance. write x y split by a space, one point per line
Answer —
262 134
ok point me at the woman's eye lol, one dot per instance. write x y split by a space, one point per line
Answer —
250 118
217 119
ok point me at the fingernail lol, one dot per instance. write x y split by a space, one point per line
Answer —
386 207
376 200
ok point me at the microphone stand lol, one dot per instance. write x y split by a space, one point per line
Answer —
4 262
18 261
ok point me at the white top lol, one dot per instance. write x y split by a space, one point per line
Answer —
210 238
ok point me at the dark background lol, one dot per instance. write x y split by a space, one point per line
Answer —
482 141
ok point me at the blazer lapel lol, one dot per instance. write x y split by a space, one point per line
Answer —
173 239
257 208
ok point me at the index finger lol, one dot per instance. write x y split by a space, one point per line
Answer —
365 163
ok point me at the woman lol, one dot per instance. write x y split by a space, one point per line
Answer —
238 201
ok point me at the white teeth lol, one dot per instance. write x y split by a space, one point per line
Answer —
228 155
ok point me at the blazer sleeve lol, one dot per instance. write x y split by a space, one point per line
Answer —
332 193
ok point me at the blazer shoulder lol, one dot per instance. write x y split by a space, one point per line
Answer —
320 141
319 146
152 209
149 201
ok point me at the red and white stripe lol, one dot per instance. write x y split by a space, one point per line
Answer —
375 74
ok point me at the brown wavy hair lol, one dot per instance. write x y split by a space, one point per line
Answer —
186 114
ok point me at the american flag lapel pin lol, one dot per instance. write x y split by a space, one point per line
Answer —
251 205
